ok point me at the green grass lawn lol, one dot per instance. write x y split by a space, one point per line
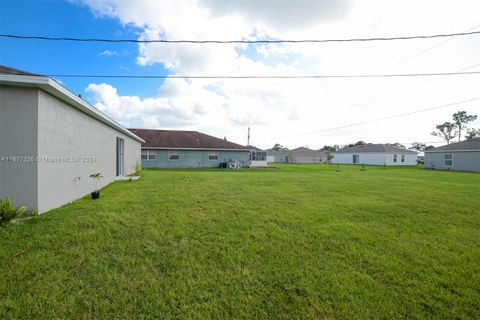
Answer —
298 242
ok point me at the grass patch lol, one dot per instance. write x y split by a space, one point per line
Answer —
299 241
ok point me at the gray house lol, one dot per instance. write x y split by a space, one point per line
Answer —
188 149
297 155
376 154
460 156
51 141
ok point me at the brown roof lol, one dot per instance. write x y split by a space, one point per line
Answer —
13 71
183 140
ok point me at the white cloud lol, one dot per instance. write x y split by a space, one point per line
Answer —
109 53
284 107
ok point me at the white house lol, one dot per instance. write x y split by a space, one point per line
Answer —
297 155
460 156
51 141
376 154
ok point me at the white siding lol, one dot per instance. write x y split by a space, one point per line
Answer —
56 136
18 138
376 159
410 159
64 131
258 163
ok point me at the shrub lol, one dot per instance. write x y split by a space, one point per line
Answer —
8 211
138 168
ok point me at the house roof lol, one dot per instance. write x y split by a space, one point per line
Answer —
176 139
13 71
301 150
253 148
15 77
304 151
374 148
469 145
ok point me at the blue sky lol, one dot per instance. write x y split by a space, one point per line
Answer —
61 18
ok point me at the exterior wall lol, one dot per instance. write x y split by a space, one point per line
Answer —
194 158
280 156
376 159
18 138
307 158
461 161
364 158
258 163
270 158
72 146
410 159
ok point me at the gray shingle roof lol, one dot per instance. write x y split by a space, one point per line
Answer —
463 145
378 148
13 71
183 140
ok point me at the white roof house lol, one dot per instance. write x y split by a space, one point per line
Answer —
51 141
376 154
460 156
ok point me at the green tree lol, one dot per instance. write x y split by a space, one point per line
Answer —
397 144
447 131
461 120
279 147
421 146
329 156
418 146
472 134
328 148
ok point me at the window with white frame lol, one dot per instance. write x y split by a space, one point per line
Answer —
394 158
174 155
402 159
213 156
149 155
448 159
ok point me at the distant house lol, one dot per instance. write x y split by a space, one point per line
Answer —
51 141
306 155
376 154
297 155
188 149
460 156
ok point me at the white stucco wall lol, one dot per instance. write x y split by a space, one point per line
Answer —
82 145
62 146
258 163
18 138
376 159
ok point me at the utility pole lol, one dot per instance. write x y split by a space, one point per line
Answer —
248 140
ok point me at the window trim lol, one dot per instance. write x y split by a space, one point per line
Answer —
171 153
148 154
445 159
212 154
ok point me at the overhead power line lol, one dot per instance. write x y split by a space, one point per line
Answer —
379 119
327 76
444 35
